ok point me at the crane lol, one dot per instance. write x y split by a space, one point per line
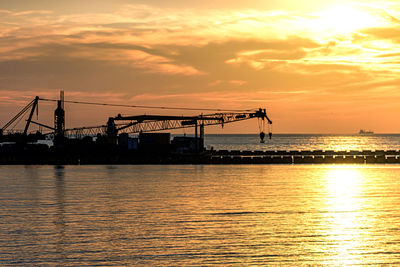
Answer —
141 123
33 105
152 123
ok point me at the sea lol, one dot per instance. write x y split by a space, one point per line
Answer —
206 215
289 142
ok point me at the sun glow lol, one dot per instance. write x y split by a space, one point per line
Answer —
344 19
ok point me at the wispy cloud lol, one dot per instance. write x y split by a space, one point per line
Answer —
229 58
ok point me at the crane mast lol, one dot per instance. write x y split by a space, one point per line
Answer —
59 119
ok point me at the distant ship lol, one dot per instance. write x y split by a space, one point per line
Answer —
364 132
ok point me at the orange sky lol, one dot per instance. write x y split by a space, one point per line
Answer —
316 66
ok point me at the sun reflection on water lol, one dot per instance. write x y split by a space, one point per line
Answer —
343 185
344 219
343 143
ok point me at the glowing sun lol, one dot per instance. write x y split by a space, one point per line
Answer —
344 19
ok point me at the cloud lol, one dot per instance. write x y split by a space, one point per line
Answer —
208 58
387 33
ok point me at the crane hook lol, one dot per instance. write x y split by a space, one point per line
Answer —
262 135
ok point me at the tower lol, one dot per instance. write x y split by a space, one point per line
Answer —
59 118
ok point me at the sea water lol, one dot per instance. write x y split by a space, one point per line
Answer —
201 215
304 142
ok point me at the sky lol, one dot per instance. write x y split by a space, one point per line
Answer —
316 66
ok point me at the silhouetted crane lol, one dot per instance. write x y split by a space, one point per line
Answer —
140 123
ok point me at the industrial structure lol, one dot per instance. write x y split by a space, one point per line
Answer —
111 144
138 124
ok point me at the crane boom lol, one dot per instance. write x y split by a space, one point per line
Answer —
33 105
138 123
152 123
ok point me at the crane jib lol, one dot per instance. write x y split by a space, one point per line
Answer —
139 123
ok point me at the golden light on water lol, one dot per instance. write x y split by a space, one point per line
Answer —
344 218
348 143
343 184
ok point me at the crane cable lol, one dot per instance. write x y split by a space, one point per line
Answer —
270 130
261 127
19 119
142 106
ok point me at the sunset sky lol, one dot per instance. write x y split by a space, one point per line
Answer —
316 66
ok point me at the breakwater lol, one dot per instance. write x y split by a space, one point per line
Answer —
305 157
95 154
